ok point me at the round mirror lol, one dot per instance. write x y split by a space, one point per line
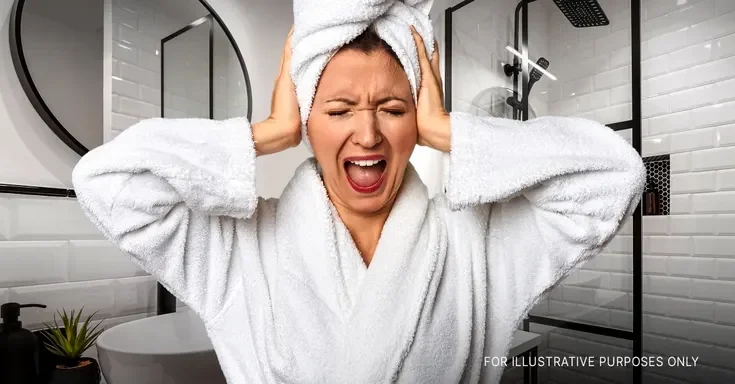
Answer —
93 68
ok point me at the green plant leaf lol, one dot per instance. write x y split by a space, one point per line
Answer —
75 340
67 324
54 349
91 334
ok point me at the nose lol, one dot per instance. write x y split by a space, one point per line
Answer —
367 132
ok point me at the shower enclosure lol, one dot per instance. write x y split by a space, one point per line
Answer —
576 58
661 73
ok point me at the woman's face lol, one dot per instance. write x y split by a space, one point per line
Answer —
362 129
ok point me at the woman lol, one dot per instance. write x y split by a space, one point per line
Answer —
354 275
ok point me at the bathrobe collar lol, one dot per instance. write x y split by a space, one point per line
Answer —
376 305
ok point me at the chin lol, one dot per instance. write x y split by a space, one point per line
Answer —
368 205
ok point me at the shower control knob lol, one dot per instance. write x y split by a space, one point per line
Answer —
510 69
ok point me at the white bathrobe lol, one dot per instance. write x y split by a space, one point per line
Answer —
281 287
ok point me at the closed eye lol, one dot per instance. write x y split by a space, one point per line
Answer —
336 113
395 112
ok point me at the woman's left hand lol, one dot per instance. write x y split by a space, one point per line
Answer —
431 117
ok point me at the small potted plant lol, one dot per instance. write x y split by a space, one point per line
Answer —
68 343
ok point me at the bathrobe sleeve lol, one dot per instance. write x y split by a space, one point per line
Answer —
169 192
556 189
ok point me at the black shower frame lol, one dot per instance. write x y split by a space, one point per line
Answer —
636 335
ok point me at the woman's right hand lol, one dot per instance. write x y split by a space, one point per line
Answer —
282 129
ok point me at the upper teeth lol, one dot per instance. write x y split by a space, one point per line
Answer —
365 163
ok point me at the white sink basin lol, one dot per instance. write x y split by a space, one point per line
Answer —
166 349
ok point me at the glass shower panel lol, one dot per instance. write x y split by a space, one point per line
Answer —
583 72
186 74
230 87
480 32
586 72
592 66
600 291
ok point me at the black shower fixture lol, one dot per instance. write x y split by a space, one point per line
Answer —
583 13
536 74
580 13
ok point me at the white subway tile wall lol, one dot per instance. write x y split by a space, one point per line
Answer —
4 219
688 109
51 254
137 32
138 28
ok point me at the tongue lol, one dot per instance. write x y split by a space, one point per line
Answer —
364 176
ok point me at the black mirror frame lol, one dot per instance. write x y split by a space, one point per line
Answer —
26 81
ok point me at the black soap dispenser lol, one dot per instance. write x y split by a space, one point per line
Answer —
18 347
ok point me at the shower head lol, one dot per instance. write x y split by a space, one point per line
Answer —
583 13
536 75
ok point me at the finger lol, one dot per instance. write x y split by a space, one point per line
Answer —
287 46
435 65
280 66
286 53
436 68
283 55
425 64
290 35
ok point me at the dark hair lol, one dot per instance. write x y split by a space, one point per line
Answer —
369 42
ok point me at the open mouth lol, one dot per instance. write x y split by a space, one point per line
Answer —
365 174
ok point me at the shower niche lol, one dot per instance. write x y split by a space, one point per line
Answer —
656 196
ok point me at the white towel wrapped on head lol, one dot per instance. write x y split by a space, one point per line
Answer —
322 27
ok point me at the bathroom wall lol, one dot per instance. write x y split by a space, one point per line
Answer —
689 112
51 254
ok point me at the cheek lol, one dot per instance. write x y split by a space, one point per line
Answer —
326 137
402 135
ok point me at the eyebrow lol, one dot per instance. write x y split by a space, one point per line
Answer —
352 102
